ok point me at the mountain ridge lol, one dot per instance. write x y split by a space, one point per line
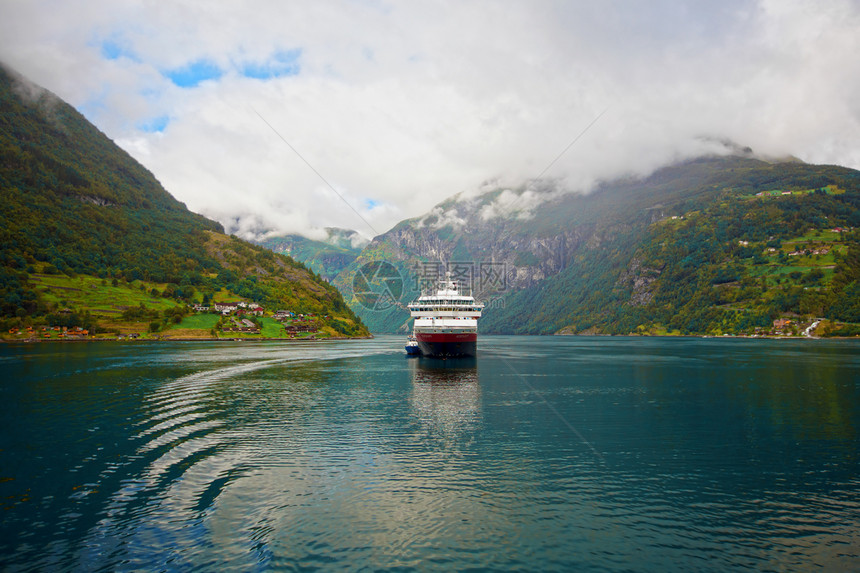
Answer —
573 262
326 257
77 205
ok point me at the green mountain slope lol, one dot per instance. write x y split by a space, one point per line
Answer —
326 258
615 261
75 204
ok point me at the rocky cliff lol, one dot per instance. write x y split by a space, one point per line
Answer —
547 259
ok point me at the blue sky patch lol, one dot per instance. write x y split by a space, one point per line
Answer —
154 125
114 50
194 73
111 50
283 63
371 203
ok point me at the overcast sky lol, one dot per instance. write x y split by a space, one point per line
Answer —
398 105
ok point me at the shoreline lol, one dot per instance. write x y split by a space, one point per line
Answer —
334 339
179 339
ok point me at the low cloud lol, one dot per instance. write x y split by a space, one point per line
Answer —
520 205
386 110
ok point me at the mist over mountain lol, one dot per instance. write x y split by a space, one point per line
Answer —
327 257
710 245
400 105
75 205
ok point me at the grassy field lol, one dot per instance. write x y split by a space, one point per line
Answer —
272 329
99 296
782 268
106 299
192 326
817 236
656 330
775 193
201 325
198 322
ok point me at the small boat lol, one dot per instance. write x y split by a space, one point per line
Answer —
412 346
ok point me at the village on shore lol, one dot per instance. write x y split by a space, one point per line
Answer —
239 320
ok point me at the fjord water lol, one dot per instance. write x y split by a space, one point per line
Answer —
555 453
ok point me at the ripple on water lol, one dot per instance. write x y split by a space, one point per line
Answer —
251 457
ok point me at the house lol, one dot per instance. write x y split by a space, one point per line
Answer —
780 323
257 310
226 307
200 308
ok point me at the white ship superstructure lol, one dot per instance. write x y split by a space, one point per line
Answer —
446 322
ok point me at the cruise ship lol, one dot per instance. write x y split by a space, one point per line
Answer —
446 322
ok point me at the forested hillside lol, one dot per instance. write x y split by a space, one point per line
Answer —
326 258
732 266
75 204
722 244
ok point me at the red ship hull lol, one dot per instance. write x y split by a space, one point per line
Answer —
447 344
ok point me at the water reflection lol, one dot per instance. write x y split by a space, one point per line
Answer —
346 455
446 396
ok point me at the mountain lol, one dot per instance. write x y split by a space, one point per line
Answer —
75 205
326 258
722 244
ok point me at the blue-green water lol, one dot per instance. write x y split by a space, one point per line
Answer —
593 454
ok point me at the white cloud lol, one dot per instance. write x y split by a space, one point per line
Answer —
399 106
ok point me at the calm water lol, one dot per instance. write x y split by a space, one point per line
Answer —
593 454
